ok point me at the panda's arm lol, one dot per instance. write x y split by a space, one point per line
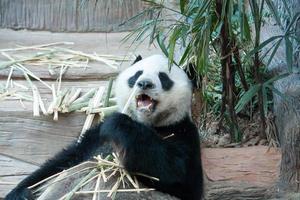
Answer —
71 156
145 151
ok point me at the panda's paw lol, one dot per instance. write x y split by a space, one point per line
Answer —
20 194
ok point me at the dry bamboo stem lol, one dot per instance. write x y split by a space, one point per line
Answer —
36 46
9 77
93 57
22 68
35 104
118 190
97 187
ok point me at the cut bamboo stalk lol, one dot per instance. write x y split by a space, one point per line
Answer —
9 77
94 103
50 108
35 104
85 97
109 88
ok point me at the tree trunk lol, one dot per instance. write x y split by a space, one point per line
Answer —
288 122
228 74
287 114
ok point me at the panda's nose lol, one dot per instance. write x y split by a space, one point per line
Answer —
145 84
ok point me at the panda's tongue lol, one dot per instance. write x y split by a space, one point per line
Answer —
144 101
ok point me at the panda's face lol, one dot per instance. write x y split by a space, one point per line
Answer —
163 96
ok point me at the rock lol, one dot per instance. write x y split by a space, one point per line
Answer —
263 142
224 140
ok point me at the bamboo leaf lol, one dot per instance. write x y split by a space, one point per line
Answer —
172 45
182 5
262 45
292 22
162 45
289 53
274 51
247 97
275 78
280 94
274 12
287 8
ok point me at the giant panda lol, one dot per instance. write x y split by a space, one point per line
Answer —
156 138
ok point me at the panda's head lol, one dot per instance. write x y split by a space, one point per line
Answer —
163 96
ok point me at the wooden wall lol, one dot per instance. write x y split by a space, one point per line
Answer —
70 15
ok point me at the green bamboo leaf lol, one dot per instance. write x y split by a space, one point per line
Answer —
247 97
162 45
289 53
185 55
262 45
182 5
280 94
292 22
274 51
285 4
246 28
276 78
172 45
274 12
255 12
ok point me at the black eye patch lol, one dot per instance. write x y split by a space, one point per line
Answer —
132 80
166 82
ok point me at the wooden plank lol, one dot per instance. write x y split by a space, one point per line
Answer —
12 171
86 42
96 71
35 139
70 15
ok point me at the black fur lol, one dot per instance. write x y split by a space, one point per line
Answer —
174 160
137 59
166 82
134 78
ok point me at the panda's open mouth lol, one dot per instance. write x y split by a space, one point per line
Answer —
145 103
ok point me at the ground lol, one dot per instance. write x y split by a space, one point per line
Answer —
27 141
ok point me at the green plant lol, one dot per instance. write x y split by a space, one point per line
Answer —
215 36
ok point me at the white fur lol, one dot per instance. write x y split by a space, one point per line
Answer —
178 98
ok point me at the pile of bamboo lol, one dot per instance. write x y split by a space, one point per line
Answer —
64 100
103 178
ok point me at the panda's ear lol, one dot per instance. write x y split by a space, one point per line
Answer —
137 59
195 78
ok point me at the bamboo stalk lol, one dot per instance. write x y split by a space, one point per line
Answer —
9 77
125 109
118 190
90 56
109 88
94 103
70 194
21 67
37 46
97 187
